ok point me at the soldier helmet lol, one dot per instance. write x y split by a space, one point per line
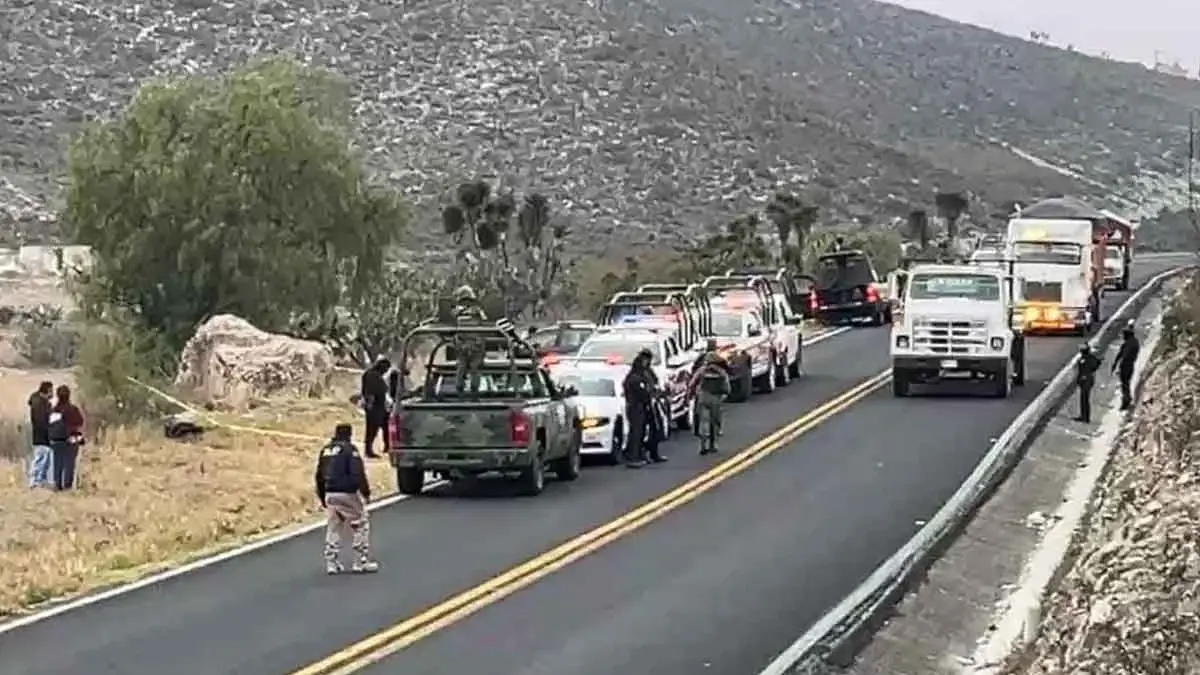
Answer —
1085 348
644 354
464 293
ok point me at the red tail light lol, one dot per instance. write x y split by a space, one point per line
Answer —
872 294
813 301
395 432
518 424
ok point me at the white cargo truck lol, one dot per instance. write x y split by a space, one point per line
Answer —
956 322
1061 264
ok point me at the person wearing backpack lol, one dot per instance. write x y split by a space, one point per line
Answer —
66 436
710 385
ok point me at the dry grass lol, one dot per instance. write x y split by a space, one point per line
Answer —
145 503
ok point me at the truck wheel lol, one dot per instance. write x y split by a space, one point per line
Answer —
685 420
410 481
568 468
900 383
783 377
887 315
533 479
794 366
743 387
1018 361
618 442
765 383
1003 385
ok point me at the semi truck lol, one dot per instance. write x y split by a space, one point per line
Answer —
1058 247
1118 251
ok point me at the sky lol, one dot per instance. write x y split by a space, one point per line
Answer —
1129 30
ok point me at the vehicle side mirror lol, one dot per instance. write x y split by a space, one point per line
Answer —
793 320
754 332
568 391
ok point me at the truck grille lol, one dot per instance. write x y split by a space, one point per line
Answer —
949 337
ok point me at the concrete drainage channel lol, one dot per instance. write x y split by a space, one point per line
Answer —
836 638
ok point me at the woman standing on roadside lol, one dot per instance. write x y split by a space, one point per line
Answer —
66 435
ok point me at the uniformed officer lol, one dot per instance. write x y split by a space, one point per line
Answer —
710 385
375 395
655 434
639 392
469 352
343 490
1085 379
1123 365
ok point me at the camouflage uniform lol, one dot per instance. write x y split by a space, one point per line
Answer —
342 487
712 387
469 351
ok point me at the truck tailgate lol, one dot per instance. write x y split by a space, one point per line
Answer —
462 426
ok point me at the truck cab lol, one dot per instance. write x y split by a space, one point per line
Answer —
956 322
781 327
1060 263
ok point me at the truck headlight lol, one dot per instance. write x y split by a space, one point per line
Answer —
997 343
902 341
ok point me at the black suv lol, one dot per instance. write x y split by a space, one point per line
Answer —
847 290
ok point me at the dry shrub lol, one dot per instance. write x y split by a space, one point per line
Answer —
47 338
145 503
14 440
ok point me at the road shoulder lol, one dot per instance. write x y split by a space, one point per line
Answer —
986 588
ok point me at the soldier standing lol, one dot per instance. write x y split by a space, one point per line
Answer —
467 312
1123 365
374 392
639 394
342 488
710 386
1085 379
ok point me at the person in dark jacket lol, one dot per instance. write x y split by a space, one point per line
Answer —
655 434
39 430
342 488
375 404
1085 379
639 391
66 437
1123 365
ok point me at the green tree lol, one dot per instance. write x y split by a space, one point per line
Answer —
512 254
237 194
740 245
793 219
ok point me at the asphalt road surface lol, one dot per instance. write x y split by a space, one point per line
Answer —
717 586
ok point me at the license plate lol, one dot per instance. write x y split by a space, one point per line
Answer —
949 364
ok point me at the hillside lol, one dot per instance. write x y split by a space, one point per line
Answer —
635 123
956 95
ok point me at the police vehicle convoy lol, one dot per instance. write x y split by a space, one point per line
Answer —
745 345
956 322
781 325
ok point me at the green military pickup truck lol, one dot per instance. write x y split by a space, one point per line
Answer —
515 422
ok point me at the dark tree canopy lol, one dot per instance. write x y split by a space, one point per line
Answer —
236 194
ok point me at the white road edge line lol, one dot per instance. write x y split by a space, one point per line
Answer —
208 561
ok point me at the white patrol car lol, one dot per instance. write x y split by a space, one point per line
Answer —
746 345
601 404
618 345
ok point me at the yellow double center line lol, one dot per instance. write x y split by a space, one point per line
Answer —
379 646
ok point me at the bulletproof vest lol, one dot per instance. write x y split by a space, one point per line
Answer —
713 378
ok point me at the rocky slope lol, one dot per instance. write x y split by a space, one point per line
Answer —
633 120
1130 603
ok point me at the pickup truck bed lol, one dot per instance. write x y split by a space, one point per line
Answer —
467 438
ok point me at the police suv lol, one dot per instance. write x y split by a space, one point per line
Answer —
956 322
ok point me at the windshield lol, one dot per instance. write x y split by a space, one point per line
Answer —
1048 252
622 350
590 386
559 338
492 383
843 271
727 324
967 286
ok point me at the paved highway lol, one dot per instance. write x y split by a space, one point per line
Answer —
717 585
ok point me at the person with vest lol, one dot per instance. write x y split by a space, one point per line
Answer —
374 392
1085 380
1123 365
638 390
468 351
66 437
343 490
710 386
